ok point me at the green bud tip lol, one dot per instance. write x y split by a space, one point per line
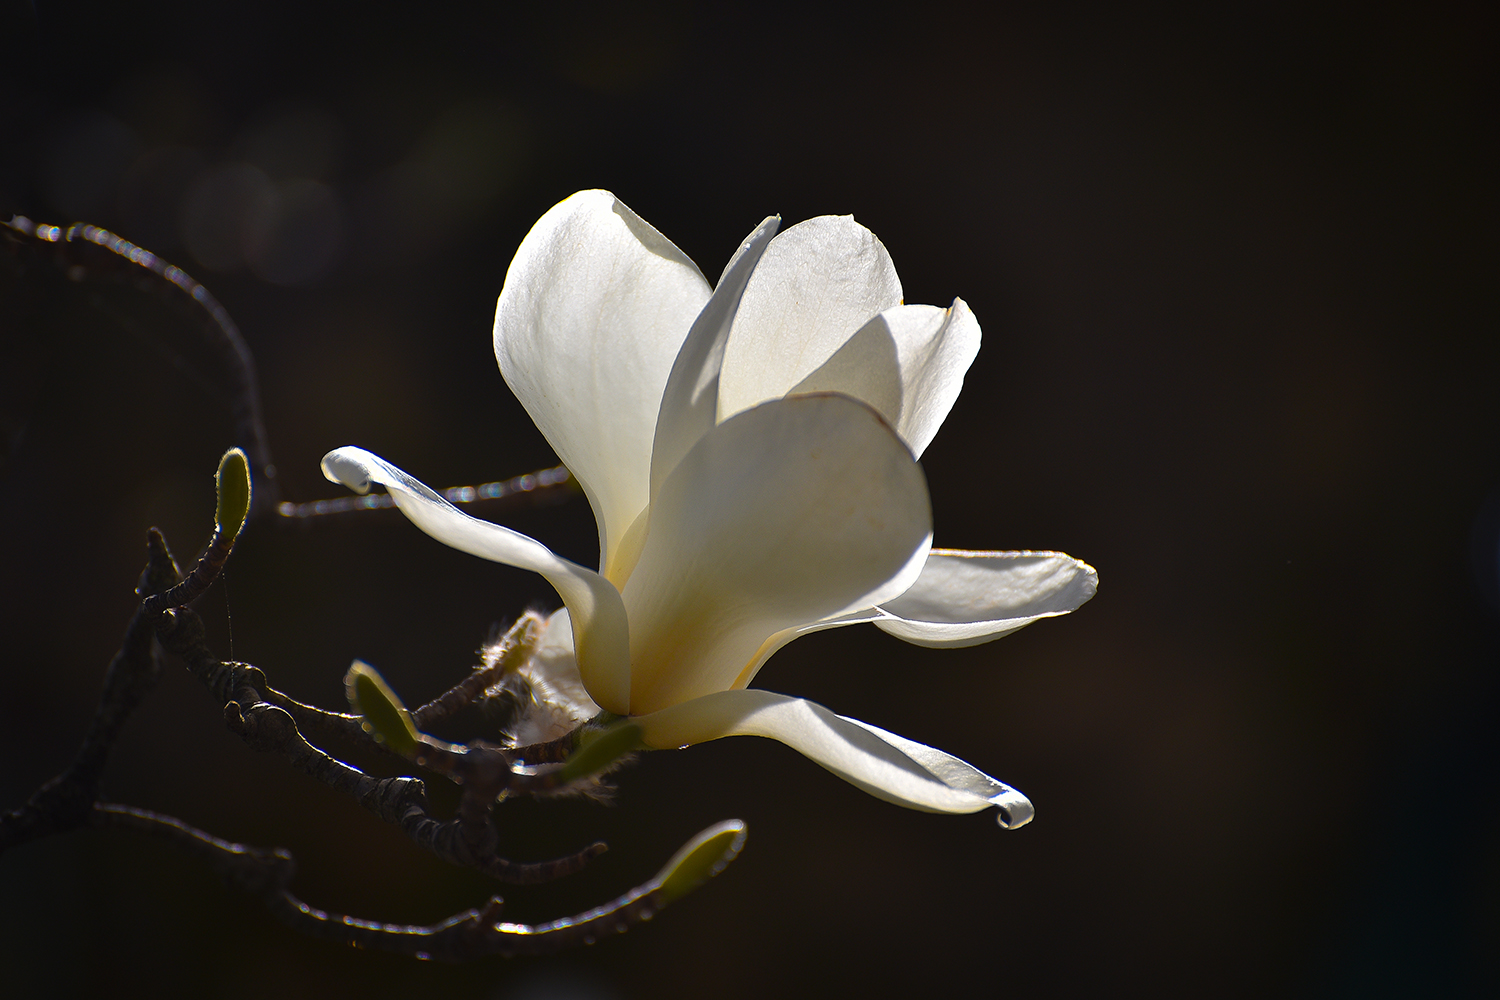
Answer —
384 717
602 751
701 859
234 493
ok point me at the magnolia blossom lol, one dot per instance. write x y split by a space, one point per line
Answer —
749 450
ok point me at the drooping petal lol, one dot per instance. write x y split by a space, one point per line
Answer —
881 763
690 402
601 634
797 510
908 363
817 284
965 598
594 309
1015 808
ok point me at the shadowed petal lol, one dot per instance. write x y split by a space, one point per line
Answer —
881 763
690 403
797 510
817 284
594 309
965 598
601 634
908 363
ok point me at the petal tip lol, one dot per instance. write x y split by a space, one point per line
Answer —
1014 809
345 466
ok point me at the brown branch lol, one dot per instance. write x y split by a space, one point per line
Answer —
319 723
204 572
469 841
270 723
517 643
89 252
64 802
472 934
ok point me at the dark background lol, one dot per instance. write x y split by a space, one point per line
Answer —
1236 273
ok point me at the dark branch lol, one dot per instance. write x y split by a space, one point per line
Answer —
472 934
64 802
85 251
270 722
513 647
469 840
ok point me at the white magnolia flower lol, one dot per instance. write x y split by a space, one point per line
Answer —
750 454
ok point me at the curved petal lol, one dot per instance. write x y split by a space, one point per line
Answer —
881 763
601 633
817 284
769 647
690 402
795 511
1017 588
965 598
908 363
594 309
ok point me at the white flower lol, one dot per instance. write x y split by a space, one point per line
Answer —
750 454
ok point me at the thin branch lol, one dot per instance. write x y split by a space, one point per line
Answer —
249 868
321 724
512 649
464 936
64 802
89 251
270 728
270 723
204 573
545 486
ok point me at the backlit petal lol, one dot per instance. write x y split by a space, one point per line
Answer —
965 598
690 403
908 363
817 284
594 309
795 511
601 635
881 763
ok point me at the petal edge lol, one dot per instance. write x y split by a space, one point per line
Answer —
887 766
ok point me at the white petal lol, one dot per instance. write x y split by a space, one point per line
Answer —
786 635
594 309
908 363
883 764
559 701
690 403
1017 588
817 284
600 631
965 598
792 512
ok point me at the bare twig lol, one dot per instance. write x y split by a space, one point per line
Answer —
270 722
514 646
468 935
544 486
64 802
270 728
86 251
